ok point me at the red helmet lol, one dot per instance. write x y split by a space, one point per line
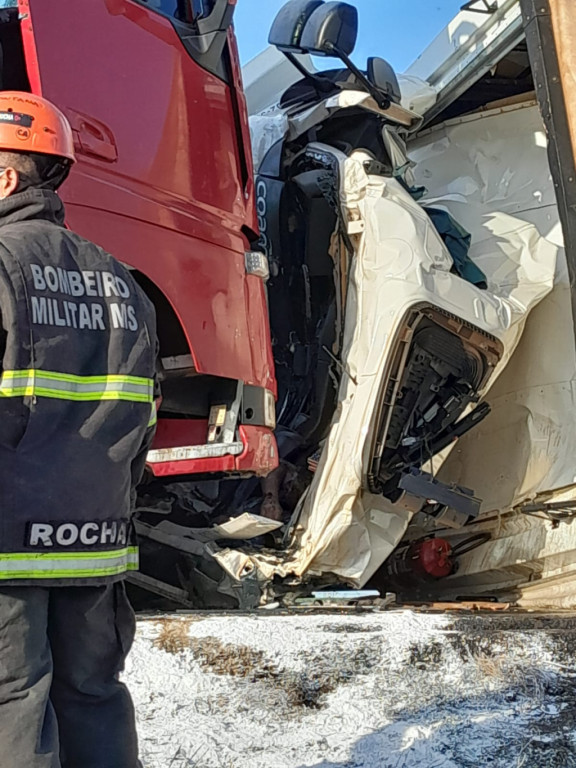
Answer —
29 123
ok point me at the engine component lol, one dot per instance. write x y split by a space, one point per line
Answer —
429 559
422 560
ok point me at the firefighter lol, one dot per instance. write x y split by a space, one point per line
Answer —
77 416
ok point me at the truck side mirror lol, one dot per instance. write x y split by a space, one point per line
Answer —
289 24
331 30
382 75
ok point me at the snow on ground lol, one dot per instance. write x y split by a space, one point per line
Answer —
393 690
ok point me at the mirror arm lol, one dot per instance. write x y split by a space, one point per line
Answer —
319 83
380 98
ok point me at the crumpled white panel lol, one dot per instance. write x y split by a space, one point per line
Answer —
526 447
400 262
265 131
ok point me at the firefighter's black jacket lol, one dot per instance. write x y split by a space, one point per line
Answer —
77 413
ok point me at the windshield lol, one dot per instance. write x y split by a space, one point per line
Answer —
203 8
181 10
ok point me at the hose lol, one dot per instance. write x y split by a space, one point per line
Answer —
473 542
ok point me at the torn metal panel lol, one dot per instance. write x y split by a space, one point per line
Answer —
265 131
244 527
314 115
160 588
525 448
400 264
273 125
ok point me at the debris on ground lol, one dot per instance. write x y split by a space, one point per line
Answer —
383 690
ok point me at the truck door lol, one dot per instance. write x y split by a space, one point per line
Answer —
149 101
164 178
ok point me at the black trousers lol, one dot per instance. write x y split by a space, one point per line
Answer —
61 703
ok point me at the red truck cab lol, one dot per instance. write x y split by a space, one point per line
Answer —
164 182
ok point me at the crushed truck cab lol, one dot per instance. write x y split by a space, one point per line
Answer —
422 324
453 414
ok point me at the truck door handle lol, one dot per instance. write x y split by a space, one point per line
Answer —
91 137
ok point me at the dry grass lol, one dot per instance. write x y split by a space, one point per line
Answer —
174 635
525 679
232 660
296 689
493 667
285 688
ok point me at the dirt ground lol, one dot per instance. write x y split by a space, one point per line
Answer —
395 690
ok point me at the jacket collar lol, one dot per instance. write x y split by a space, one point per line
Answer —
32 204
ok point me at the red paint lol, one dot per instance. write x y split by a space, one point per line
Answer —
260 455
171 432
431 558
159 182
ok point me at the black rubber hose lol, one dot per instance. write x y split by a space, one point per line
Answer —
471 543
